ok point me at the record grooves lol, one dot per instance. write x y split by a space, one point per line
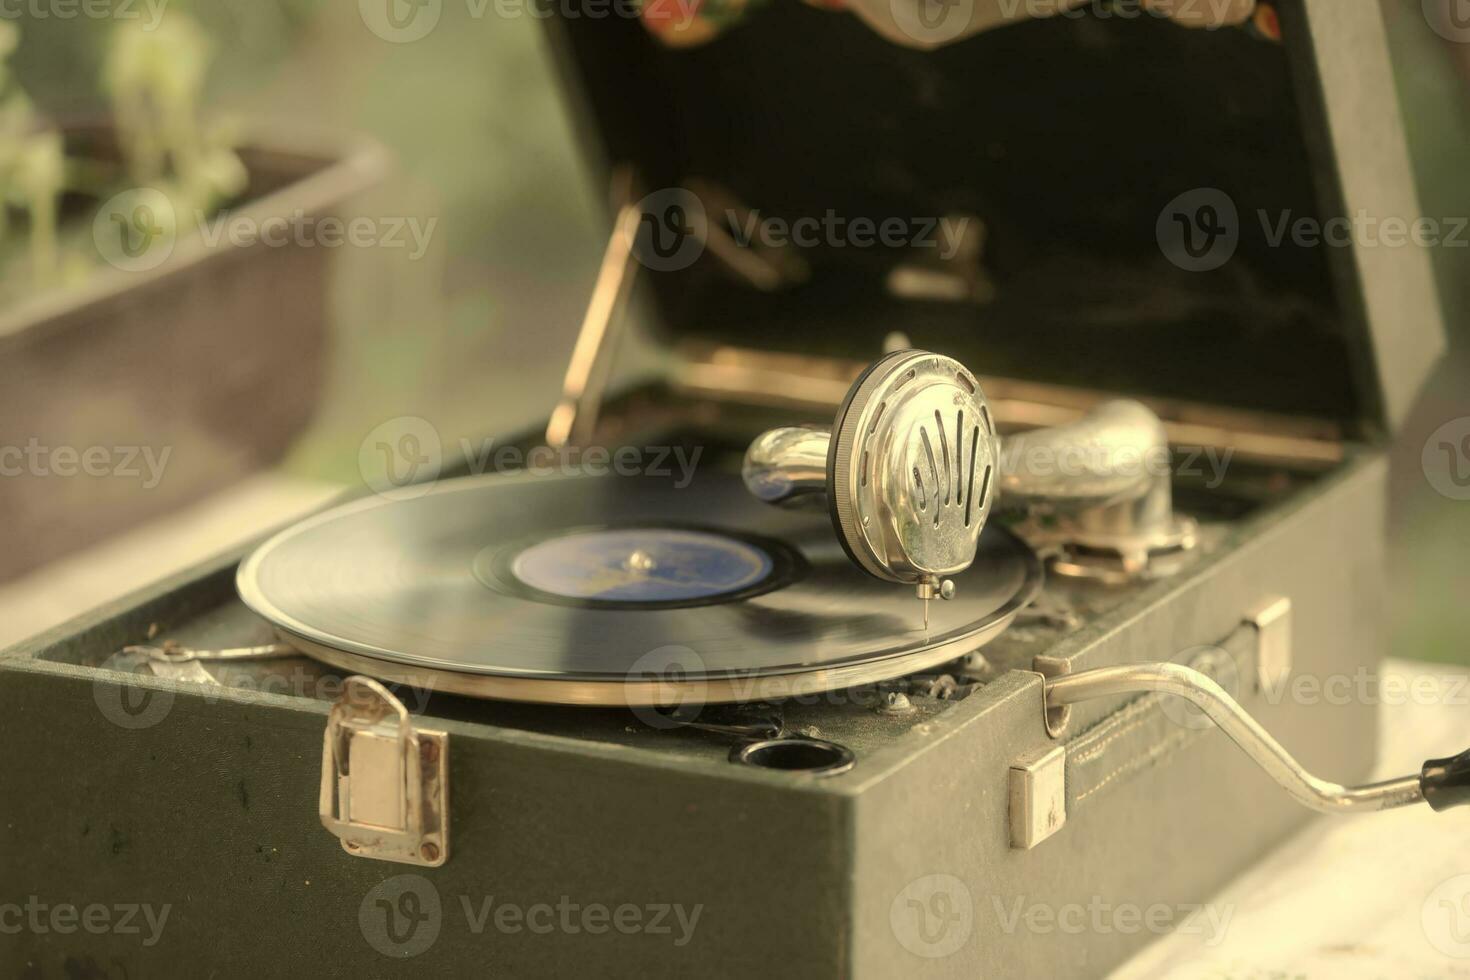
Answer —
582 590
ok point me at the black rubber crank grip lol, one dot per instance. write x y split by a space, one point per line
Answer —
1446 782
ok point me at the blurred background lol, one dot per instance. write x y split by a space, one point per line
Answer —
470 323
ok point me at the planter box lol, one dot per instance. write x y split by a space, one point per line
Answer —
215 357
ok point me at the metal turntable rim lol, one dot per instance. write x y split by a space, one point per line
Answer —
651 693
556 687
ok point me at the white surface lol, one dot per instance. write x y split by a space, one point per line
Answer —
56 592
1371 895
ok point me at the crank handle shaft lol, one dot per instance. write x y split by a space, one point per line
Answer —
1442 783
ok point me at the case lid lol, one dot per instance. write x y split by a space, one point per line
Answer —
1116 203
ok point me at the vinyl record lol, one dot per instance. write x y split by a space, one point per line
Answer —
611 590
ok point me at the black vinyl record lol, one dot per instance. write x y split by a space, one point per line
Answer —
583 589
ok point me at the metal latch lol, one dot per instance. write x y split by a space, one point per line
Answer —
385 784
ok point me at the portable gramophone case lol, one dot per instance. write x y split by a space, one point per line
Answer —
1082 207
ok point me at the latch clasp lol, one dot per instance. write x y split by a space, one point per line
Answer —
385 783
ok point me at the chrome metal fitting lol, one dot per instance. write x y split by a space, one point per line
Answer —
907 469
912 466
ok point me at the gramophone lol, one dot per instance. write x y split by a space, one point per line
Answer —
1026 459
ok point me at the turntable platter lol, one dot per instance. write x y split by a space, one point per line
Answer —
611 590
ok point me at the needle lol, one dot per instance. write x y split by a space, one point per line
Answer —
926 615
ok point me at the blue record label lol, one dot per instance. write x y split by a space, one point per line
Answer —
642 565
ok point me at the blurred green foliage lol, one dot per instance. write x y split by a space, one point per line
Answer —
32 170
152 76
62 60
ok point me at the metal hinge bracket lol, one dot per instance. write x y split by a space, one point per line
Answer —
385 783
1038 804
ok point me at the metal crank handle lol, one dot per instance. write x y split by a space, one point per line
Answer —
1442 783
